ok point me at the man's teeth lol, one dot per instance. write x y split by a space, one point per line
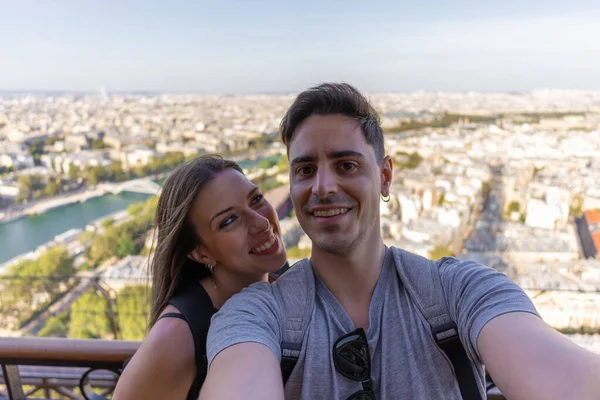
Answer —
265 246
330 213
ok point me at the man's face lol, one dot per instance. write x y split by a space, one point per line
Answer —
335 182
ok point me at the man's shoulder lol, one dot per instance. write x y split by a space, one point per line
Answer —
290 284
444 263
298 276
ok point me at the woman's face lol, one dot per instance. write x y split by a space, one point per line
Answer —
239 228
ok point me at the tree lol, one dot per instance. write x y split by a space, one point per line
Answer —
125 246
296 252
115 171
6 170
52 188
35 283
26 186
107 222
133 309
267 163
135 208
103 246
73 172
514 206
97 144
89 317
408 161
96 174
576 206
439 252
283 164
442 199
54 327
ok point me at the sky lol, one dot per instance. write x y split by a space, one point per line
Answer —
282 46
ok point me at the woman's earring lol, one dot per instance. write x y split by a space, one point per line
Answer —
385 199
211 268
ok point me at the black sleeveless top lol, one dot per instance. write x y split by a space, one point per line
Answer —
195 308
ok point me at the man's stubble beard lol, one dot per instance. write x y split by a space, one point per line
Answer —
342 247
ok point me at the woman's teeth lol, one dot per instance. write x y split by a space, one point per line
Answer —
266 246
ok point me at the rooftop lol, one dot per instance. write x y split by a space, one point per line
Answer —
592 216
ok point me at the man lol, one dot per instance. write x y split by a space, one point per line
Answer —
338 171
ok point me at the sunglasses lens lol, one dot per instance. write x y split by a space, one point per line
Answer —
352 357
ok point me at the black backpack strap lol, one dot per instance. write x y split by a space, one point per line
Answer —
290 352
452 346
421 279
195 305
172 315
196 308
295 287
273 276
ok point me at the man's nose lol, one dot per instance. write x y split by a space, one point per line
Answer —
325 183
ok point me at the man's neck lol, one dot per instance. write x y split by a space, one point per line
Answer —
352 278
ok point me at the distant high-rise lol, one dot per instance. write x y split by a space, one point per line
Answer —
104 93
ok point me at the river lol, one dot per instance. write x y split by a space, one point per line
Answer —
26 234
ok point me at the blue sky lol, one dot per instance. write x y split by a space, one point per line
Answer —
284 46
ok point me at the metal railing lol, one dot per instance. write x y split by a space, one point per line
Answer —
69 368
43 368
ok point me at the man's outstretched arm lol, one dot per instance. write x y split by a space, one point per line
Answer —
527 359
244 371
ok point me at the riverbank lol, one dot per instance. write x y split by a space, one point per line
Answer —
70 239
48 204
45 205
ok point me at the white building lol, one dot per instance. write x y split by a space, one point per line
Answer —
542 215
9 189
136 156
15 155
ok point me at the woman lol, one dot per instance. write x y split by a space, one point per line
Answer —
216 235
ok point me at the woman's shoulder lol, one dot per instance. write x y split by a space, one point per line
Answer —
170 339
195 306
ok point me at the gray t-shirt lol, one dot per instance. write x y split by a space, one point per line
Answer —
406 363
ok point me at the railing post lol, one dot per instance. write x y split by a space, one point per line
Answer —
12 380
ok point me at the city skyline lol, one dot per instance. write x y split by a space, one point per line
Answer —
242 47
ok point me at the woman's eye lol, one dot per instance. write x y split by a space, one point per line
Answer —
257 199
227 221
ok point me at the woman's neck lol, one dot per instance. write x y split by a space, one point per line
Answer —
221 285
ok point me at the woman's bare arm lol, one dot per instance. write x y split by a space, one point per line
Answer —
163 367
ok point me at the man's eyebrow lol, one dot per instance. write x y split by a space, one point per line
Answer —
345 153
302 159
330 155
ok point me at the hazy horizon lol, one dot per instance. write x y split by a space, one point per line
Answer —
240 47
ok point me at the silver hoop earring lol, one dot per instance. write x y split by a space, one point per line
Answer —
211 268
385 199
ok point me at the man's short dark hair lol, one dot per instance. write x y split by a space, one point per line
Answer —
334 98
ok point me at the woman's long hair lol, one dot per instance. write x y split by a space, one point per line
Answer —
174 233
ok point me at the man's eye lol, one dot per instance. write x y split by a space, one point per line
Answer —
305 170
348 166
